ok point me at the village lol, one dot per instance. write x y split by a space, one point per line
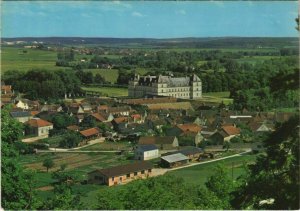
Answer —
161 132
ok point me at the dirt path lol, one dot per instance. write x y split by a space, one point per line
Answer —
92 142
76 151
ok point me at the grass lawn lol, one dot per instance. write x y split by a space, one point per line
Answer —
111 75
216 97
109 91
199 174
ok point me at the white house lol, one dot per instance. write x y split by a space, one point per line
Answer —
146 152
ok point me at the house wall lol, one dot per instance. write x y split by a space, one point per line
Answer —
42 131
22 105
161 89
97 178
146 155
23 119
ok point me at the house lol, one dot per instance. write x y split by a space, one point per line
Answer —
86 107
90 133
120 123
197 137
38 127
137 118
224 134
27 104
21 116
102 117
193 127
76 109
121 174
51 108
174 160
163 142
119 111
146 152
260 127
73 128
6 90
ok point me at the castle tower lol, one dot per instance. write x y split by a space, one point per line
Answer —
196 87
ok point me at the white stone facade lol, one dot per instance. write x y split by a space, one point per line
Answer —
189 87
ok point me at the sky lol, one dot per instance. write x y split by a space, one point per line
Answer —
148 19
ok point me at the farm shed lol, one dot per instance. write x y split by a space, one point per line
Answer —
174 160
146 152
121 174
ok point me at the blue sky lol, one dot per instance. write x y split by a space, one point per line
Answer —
149 19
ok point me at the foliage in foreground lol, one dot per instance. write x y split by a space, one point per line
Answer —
273 181
165 192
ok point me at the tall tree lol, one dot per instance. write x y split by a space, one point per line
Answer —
17 185
273 181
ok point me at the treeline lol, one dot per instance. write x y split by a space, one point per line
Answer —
166 60
44 84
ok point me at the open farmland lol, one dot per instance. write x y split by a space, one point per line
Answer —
25 59
198 174
111 75
108 91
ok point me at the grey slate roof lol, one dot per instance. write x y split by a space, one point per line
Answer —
170 81
16 114
147 147
174 158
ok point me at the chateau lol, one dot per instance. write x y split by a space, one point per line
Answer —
189 87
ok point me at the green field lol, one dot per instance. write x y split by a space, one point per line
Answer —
216 97
111 75
108 91
199 174
16 59
107 145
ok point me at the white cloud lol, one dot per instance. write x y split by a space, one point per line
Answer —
137 14
180 12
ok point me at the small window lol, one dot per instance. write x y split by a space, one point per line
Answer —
143 172
135 173
149 170
113 178
127 175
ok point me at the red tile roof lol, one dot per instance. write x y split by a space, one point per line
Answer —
73 127
98 117
33 113
231 130
90 132
6 88
38 123
120 119
190 128
136 116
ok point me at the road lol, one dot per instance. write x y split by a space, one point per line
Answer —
76 149
160 171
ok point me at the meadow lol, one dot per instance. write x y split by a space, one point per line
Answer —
216 97
107 91
198 174
25 59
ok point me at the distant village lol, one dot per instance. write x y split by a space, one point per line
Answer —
163 127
